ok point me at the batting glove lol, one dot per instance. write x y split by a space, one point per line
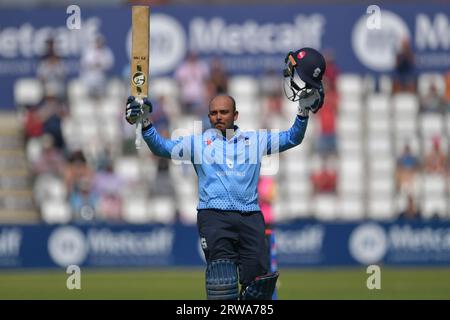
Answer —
136 110
310 101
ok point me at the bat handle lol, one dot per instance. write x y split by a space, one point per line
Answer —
138 141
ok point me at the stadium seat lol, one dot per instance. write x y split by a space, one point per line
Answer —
382 165
350 106
381 185
434 184
350 208
56 211
128 169
33 149
27 91
447 124
425 80
411 139
161 210
271 165
349 85
379 106
431 125
434 206
405 126
350 127
48 188
350 185
297 208
349 146
83 109
135 210
385 84
381 208
164 86
379 144
379 125
298 187
281 210
243 85
188 209
324 207
405 106
427 144
76 90
117 88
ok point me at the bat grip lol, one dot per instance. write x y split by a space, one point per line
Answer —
138 141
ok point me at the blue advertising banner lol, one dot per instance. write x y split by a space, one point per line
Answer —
249 39
300 244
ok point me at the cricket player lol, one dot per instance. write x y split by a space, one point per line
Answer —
227 162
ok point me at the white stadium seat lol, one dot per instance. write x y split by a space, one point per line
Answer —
325 206
135 209
27 91
243 86
351 208
425 80
350 85
161 209
56 211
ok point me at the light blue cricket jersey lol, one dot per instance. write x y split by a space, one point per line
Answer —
227 170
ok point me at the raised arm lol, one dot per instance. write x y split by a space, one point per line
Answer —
179 149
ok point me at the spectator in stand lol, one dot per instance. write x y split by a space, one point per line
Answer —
52 110
218 77
96 61
266 195
33 124
411 212
332 71
52 73
76 169
164 186
191 77
51 160
407 167
271 86
433 102
83 201
447 90
435 160
324 180
326 144
106 188
405 73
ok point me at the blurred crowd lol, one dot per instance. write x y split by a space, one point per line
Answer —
94 190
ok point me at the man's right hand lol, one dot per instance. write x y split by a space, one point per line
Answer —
135 110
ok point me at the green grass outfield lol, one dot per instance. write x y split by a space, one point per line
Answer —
188 284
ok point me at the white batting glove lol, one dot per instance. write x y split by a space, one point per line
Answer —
308 101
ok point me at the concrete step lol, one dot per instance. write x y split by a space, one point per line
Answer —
14 182
16 203
11 142
15 216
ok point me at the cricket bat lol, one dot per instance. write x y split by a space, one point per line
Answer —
140 59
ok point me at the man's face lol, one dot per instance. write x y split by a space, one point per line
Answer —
221 113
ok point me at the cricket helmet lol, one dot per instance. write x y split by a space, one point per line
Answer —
304 71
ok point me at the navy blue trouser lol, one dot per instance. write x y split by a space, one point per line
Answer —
236 236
